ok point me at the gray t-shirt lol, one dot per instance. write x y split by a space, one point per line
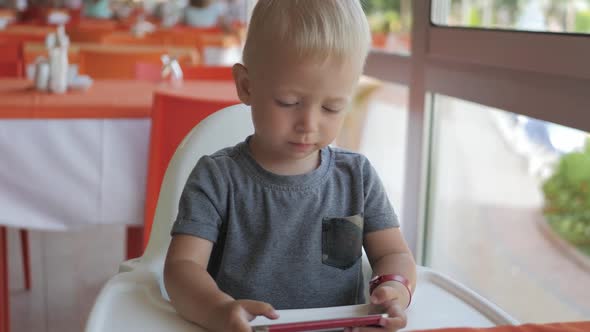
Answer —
291 241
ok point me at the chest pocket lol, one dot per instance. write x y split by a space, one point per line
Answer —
342 241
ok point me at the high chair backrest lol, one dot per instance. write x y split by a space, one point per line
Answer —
223 128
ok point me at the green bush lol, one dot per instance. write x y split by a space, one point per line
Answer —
376 6
384 22
474 18
582 24
567 197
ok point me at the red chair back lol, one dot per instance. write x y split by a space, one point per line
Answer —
214 73
148 71
11 69
153 72
10 50
173 117
89 31
110 64
125 38
8 36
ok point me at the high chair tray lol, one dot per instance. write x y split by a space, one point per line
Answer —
132 301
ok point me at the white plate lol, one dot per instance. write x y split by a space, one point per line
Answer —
81 82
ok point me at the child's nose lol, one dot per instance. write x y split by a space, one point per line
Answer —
307 120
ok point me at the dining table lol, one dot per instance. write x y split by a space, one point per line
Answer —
79 158
185 54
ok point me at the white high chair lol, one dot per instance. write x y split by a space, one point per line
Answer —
136 300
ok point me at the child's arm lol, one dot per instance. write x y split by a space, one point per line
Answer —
388 253
195 295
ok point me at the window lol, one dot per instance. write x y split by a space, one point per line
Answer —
390 22
559 16
488 219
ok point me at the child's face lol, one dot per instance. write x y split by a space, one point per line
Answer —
298 106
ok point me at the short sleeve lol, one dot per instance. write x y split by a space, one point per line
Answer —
378 211
202 205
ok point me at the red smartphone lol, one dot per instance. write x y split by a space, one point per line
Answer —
370 320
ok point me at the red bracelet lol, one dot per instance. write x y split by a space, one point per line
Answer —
378 280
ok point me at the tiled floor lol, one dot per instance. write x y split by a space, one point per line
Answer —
68 270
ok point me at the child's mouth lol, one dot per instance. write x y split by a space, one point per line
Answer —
301 146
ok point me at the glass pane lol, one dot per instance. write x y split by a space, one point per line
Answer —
564 16
509 210
376 127
390 22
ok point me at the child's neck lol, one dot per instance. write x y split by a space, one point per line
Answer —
285 167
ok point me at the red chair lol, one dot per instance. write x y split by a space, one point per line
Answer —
90 31
11 58
214 73
11 68
75 17
148 71
152 72
10 50
173 117
125 38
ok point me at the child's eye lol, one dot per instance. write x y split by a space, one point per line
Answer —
285 104
331 110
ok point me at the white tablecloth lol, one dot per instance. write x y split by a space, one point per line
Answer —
61 174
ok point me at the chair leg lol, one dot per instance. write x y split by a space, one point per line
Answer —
4 297
24 242
134 241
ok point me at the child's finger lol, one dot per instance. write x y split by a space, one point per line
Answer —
397 317
257 308
391 324
238 319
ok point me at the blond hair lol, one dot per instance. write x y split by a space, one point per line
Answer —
319 29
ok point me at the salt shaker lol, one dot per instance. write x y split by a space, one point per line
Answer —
58 62
41 74
57 72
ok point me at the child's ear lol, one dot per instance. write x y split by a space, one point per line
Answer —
242 81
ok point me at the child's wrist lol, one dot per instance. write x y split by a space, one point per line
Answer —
217 316
399 283
403 297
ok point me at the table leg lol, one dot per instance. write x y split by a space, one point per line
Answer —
24 243
4 296
134 241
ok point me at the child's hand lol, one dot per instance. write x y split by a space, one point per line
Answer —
387 299
236 315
